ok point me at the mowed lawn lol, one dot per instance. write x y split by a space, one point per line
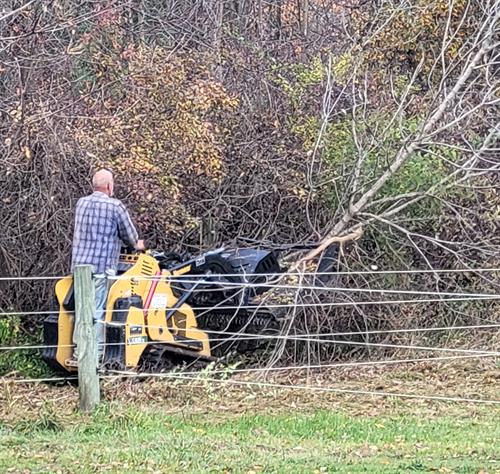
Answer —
168 426
123 438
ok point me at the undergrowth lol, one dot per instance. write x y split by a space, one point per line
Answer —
23 362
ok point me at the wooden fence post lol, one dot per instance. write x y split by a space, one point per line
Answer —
85 338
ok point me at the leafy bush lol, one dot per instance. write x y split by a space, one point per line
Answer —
26 363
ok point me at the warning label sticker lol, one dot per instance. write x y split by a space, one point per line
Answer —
159 301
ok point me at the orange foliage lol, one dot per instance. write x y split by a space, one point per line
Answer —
153 122
413 33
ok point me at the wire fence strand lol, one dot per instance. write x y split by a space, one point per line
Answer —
337 365
335 273
277 274
339 304
201 377
305 337
262 384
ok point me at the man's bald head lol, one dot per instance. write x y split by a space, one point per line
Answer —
102 181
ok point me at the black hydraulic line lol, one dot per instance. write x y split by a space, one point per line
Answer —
183 299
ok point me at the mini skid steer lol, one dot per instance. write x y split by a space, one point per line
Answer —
163 309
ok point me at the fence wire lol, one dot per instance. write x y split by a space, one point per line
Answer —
280 274
315 338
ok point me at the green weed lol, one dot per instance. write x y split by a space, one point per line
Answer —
24 362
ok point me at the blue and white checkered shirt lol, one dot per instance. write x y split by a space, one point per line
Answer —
101 225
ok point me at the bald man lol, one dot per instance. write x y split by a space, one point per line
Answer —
102 224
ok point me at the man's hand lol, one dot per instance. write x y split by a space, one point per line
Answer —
140 245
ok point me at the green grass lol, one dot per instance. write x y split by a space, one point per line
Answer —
120 438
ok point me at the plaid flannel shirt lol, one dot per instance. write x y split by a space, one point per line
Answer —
101 225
